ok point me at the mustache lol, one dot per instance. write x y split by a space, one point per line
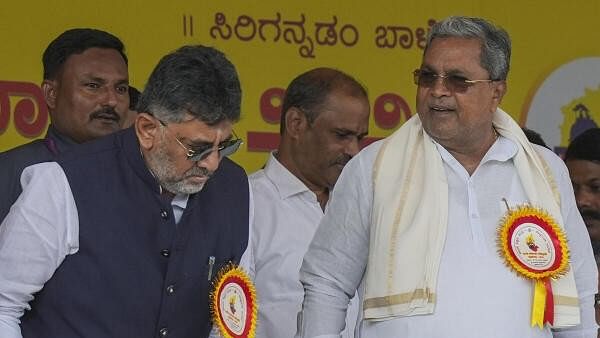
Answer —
106 113
591 214
198 171
342 159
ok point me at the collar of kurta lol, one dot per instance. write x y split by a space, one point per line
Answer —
286 183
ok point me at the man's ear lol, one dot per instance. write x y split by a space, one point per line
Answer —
295 122
146 128
49 89
498 94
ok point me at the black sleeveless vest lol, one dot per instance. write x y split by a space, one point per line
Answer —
137 273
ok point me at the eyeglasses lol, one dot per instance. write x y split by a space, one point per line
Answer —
197 154
454 83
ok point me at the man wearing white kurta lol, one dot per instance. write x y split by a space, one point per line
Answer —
430 199
325 115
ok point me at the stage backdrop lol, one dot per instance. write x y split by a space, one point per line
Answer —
553 83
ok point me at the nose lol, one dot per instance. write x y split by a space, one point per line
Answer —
111 97
211 162
353 147
439 87
584 198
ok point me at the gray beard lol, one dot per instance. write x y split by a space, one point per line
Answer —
163 168
181 187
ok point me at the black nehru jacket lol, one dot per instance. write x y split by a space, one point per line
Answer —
137 273
12 163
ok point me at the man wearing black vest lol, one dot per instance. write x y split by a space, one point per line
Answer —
85 88
120 236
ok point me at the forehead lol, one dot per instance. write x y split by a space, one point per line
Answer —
582 170
197 131
343 111
96 62
454 54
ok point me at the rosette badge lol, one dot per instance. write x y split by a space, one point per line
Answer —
534 246
233 303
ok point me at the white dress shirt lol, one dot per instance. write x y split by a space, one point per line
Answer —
477 295
286 217
40 230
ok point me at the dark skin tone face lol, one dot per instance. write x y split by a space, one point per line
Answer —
317 152
89 96
585 176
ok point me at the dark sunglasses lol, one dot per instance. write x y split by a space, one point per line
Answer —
454 83
196 154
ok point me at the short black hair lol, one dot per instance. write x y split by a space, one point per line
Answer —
534 137
194 80
76 41
309 90
586 146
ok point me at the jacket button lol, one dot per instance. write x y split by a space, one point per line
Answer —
165 252
171 289
163 332
164 214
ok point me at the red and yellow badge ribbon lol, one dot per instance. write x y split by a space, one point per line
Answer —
535 247
233 303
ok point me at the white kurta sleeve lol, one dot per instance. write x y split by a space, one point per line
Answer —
582 256
336 259
41 228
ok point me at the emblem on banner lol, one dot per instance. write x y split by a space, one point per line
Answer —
535 247
566 103
233 303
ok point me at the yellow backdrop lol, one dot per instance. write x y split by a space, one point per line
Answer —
270 42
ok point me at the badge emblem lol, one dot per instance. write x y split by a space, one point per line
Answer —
533 245
233 303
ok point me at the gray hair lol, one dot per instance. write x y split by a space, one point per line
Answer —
193 80
495 42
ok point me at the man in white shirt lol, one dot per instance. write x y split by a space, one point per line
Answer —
416 220
325 114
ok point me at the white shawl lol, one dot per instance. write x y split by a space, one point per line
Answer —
410 217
